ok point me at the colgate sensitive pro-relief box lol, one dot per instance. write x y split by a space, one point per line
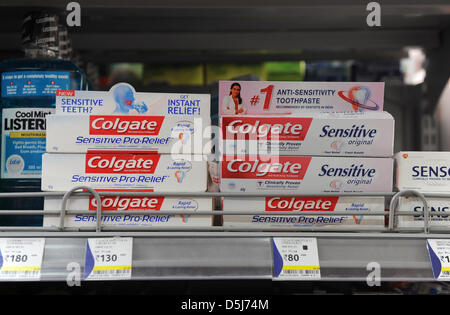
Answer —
62 172
423 171
439 206
305 174
297 205
122 119
334 134
153 211
283 98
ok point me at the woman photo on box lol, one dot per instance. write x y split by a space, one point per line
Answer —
232 103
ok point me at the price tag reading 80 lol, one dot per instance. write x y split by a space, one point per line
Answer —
295 259
108 258
21 259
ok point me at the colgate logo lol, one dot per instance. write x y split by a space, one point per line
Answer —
276 128
127 203
121 163
125 125
268 168
301 203
65 93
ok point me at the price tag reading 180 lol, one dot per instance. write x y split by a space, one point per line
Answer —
295 259
21 259
108 258
439 251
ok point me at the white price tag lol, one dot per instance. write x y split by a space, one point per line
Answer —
295 259
439 251
108 258
21 259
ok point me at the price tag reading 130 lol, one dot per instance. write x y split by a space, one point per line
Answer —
108 258
21 259
295 259
439 251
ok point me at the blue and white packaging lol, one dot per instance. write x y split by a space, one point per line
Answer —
153 211
439 207
122 119
422 171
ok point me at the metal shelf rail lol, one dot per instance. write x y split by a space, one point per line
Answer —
219 252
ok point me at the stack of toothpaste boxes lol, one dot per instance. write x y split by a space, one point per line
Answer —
125 141
307 138
425 172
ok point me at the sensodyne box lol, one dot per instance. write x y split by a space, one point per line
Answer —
423 171
160 172
305 174
294 206
439 207
122 119
154 211
333 134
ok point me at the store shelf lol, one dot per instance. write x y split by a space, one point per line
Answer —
242 253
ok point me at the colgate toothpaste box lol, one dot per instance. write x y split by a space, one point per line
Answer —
305 174
423 171
263 97
438 206
297 205
100 170
122 119
160 134
333 134
153 211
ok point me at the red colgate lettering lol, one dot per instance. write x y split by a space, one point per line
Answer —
301 203
127 203
121 163
65 93
268 168
275 128
125 125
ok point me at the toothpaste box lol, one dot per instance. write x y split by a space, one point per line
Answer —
152 208
334 134
423 171
100 170
305 174
263 97
297 205
440 206
121 119
160 134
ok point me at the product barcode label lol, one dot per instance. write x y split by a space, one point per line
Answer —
439 252
108 258
21 259
295 259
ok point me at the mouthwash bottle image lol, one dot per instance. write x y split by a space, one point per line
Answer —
28 90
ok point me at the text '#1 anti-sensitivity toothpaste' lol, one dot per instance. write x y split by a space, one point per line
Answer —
153 211
334 134
269 98
423 171
296 205
440 207
161 134
62 172
305 174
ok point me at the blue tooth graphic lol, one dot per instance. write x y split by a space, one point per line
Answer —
277 260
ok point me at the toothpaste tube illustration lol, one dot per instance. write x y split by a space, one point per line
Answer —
438 206
305 174
334 134
153 211
161 134
423 171
271 98
100 170
297 205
